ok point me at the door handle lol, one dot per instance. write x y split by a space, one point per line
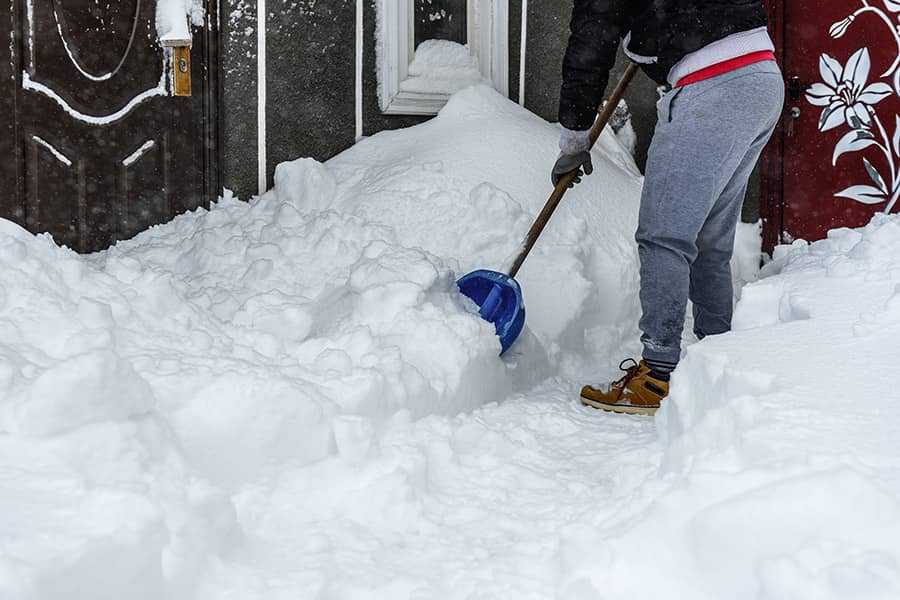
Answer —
796 88
181 64
795 114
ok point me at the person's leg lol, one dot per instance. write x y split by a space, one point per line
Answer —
711 290
683 168
711 287
697 168
704 136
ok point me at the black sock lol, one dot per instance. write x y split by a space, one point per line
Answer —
660 370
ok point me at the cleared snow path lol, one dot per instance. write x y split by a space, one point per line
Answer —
477 506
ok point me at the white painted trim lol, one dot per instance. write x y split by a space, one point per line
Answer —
78 65
523 52
387 49
408 45
35 86
498 42
488 28
56 153
137 154
359 69
261 96
29 11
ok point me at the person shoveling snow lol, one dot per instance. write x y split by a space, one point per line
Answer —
726 98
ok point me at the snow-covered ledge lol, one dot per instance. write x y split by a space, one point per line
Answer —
488 44
174 19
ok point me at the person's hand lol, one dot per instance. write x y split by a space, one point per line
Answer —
575 154
566 163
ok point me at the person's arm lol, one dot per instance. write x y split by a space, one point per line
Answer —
596 30
597 26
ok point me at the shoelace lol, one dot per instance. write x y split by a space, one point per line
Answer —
630 373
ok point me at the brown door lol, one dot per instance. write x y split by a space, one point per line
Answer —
102 150
841 130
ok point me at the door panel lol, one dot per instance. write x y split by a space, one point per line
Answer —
97 38
96 60
105 150
841 164
51 174
11 205
143 177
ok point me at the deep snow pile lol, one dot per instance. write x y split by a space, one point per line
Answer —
142 387
780 476
784 434
289 399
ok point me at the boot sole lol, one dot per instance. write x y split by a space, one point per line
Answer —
647 411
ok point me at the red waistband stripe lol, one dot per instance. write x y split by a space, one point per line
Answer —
726 66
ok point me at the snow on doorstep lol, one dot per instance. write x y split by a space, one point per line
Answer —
441 67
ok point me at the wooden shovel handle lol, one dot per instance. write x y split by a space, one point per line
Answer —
602 119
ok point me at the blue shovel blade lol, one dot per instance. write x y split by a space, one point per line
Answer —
499 299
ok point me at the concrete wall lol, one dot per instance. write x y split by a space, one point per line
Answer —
238 105
311 76
311 79
311 70
310 85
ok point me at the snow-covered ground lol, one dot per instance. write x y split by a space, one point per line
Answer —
288 398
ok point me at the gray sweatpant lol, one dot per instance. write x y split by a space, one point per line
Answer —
708 139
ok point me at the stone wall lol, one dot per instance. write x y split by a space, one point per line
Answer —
311 69
310 85
238 103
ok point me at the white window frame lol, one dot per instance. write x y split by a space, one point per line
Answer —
488 42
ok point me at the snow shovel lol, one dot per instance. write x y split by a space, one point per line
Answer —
498 295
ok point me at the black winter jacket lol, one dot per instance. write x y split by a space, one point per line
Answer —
665 29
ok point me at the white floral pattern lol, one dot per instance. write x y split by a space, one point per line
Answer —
848 99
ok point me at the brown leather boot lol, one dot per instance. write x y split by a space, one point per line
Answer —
637 393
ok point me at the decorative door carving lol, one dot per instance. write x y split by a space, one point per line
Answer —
835 160
101 149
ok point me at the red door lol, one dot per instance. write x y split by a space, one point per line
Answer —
840 135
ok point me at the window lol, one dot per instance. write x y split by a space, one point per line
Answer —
429 49
440 21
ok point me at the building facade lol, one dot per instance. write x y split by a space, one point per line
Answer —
320 72
101 139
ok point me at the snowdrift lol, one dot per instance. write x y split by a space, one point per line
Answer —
141 387
288 398
780 476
